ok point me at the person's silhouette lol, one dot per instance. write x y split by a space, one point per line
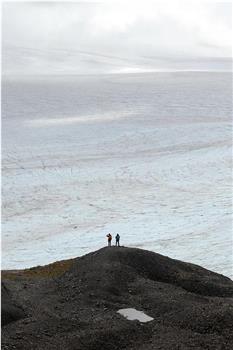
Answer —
118 240
109 239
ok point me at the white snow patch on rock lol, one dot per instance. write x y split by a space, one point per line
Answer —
133 314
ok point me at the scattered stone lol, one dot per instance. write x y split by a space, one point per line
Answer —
189 307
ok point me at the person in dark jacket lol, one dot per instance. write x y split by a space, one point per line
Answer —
118 240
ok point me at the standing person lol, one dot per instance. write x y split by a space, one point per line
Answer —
109 239
118 240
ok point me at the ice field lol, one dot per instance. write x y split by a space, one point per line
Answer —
147 156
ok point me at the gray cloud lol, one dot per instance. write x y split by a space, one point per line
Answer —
75 38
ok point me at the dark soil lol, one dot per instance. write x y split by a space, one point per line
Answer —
73 304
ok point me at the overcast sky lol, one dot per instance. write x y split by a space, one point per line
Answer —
129 36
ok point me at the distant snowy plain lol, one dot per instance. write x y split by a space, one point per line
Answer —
148 156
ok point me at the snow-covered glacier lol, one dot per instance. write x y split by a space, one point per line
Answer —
147 156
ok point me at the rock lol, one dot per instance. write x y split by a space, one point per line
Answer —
191 307
10 310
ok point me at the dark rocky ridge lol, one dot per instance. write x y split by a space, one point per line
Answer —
73 304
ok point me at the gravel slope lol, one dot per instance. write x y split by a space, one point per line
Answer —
73 304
